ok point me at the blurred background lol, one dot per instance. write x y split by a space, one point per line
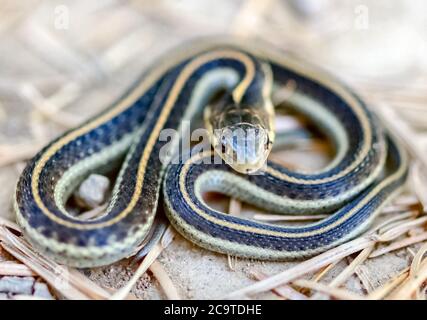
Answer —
73 57
65 60
62 61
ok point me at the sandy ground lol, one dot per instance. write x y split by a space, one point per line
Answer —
86 66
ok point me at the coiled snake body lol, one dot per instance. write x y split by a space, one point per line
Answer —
368 169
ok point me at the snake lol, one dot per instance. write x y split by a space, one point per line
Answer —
228 84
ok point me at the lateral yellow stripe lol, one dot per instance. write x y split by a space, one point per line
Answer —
174 93
238 227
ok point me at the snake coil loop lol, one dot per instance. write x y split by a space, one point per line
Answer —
368 169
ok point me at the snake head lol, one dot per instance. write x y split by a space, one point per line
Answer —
241 123
244 146
243 137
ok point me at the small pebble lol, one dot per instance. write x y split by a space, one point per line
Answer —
92 191
17 285
41 290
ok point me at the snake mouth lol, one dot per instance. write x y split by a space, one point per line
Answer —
244 146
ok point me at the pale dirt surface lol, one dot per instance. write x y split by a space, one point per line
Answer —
84 67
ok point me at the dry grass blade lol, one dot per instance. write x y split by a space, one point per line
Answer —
395 224
68 282
145 264
86 285
418 178
57 280
389 286
234 208
231 261
284 291
410 285
26 297
399 244
304 267
317 277
165 281
415 267
363 275
401 208
400 229
416 262
333 292
329 256
47 108
95 212
416 231
395 221
323 271
12 154
401 129
415 277
351 268
404 200
9 268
